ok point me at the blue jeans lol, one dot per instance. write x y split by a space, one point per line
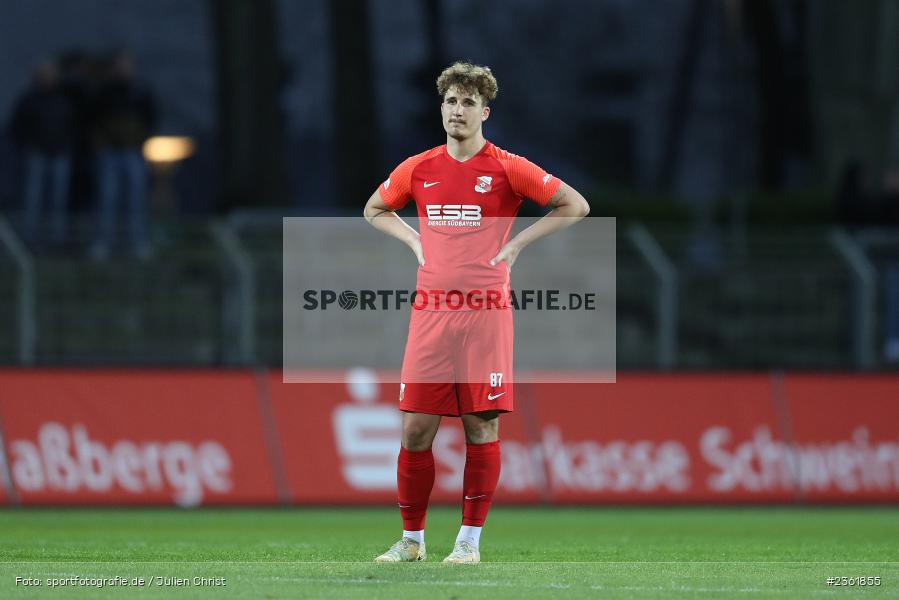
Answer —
891 289
46 173
121 177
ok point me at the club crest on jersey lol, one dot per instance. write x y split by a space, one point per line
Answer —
483 184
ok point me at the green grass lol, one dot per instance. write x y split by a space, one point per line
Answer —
527 553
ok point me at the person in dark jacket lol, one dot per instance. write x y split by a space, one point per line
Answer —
44 128
124 115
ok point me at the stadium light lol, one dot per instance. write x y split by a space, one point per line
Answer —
168 149
164 154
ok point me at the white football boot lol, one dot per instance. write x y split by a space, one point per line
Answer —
463 554
405 550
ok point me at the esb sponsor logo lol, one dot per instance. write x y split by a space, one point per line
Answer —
68 460
454 215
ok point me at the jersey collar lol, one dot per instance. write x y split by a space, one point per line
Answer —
483 149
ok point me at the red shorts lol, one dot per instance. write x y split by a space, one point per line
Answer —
458 362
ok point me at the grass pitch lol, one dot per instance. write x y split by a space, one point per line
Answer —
527 553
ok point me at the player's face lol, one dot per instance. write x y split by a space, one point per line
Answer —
463 113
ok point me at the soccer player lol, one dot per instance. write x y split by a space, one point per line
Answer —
458 356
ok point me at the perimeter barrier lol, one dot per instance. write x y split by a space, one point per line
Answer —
242 437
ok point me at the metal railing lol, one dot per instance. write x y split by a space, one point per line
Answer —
211 295
666 303
26 297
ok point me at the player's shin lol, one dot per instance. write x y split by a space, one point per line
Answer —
415 479
482 467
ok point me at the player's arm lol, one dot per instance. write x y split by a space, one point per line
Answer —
383 218
568 207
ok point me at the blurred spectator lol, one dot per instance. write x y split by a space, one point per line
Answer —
79 77
124 115
858 206
43 127
890 204
852 202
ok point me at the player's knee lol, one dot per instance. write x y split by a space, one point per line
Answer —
417 436
482 432
481 436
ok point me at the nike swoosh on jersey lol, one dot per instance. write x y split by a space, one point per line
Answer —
492 397
431 183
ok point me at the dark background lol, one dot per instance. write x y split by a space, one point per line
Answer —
740 132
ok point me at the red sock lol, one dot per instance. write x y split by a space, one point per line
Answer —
414 480
482 465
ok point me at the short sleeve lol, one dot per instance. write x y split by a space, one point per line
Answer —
397 189
529 180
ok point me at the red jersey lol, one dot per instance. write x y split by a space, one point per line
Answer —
465 212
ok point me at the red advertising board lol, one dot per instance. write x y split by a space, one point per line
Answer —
340 444
3 496
238 437
118 437
660 438
845 437
646 439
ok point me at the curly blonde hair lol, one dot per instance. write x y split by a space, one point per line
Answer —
468 78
